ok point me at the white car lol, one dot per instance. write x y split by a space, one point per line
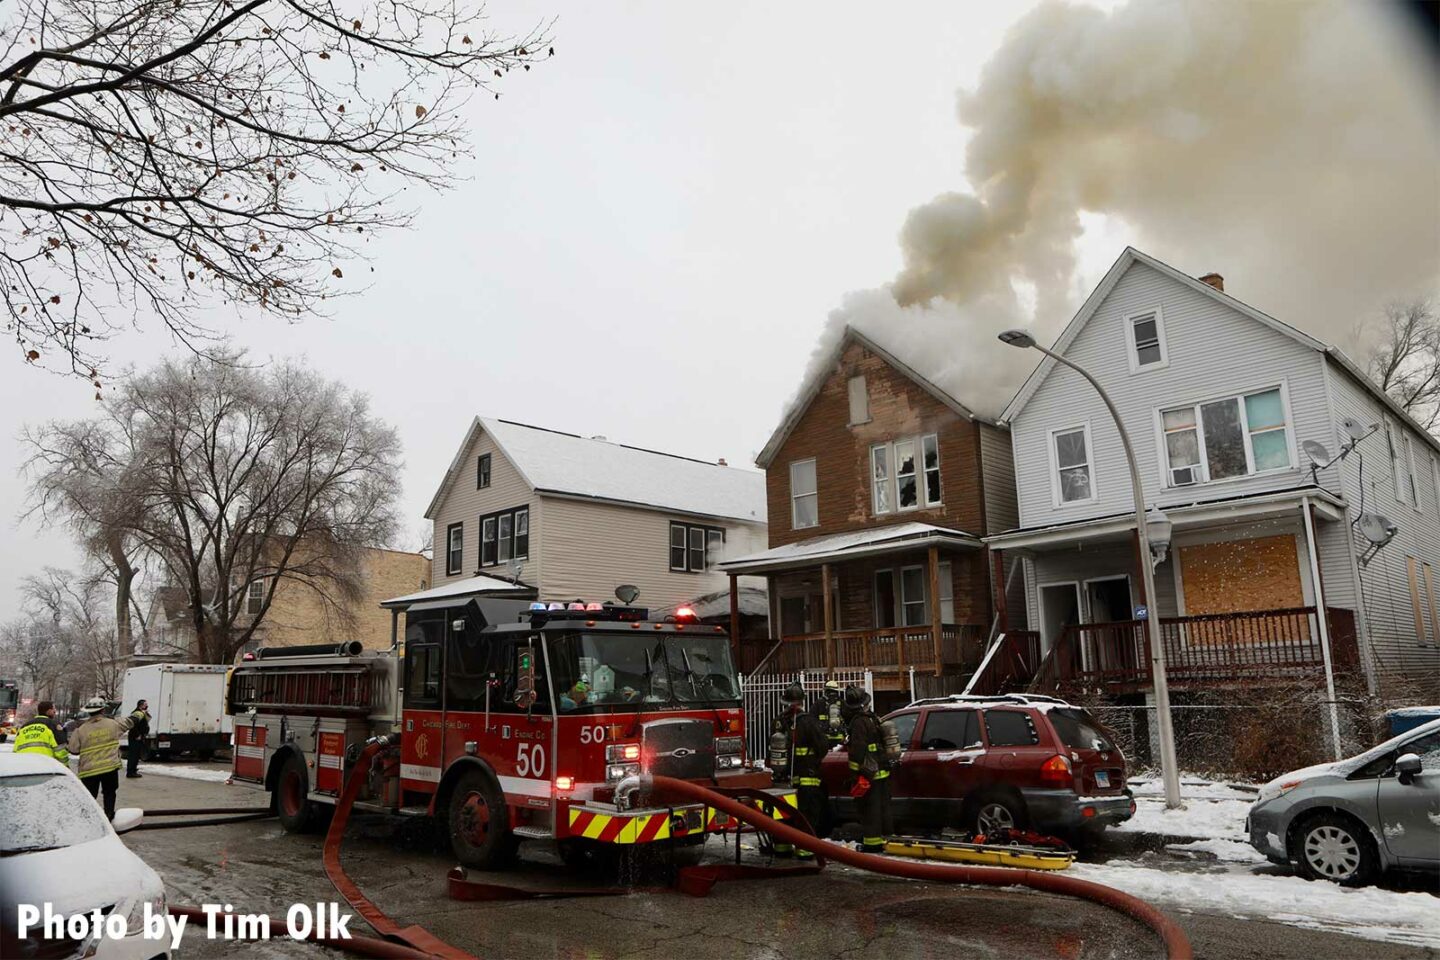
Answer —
56 847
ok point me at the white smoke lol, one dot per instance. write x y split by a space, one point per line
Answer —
1291 147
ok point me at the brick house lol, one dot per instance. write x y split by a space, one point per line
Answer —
880 485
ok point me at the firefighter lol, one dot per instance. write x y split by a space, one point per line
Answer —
808 746
97 743
38 736
868 766
135 747
829 711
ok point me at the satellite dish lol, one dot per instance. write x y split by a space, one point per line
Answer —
515 567
1376 528
1356 429
626 593
1317 453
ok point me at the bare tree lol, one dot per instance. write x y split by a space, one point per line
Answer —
245 479
1405 358
158 155
81 634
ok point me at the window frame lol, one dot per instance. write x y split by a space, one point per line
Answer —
902 602
254 598
482 472
492 521
454 553
1132 349
796 497
1056 491
1394 451
1163 451
892 475
864 398
1414 482
689 531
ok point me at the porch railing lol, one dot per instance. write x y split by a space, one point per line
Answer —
888 650
1010 666
1205 649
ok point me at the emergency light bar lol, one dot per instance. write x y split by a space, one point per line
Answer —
541 612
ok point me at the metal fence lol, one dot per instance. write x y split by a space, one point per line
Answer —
762 702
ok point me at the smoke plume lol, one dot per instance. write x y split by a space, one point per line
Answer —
1291 147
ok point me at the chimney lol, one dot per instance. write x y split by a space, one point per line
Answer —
1215 280
721 462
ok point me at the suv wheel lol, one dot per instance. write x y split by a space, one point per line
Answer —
996 811
1332 847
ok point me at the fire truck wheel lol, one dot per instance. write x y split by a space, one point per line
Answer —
292 786
479 823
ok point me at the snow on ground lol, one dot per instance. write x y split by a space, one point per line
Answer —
1369 912
1211 810
1194 787
1230 851
214 772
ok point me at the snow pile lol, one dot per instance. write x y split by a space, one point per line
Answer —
1406 918
1205 819
214 773
1194 787
1230 851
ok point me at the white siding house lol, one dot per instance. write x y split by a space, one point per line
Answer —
575 517
1219 400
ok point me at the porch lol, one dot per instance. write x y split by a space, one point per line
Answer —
891 600
1238 600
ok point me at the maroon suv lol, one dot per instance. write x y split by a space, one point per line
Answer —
981 763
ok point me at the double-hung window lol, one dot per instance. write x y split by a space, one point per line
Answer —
914 611
694 549
1229 437
1145 338
454 548
1394 451
505 536
905 474
482 471
1073 473
804 495
255 598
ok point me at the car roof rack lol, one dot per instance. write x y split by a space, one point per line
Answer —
1020 698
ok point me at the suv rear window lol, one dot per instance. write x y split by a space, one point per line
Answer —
1079 730
1009 728
950 730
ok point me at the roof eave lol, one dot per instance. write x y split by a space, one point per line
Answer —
746 565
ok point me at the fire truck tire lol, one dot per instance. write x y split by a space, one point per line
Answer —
479 823
292 787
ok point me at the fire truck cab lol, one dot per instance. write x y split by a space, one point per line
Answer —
509 720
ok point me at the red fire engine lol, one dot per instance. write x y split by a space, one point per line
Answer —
515 720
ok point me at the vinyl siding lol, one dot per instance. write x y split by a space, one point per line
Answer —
997 467
462 503
590 548
1367 478
1213 351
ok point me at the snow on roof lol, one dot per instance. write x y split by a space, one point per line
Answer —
479 586
754 602
875 537
555 462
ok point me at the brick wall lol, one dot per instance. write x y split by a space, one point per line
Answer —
299 615
899 408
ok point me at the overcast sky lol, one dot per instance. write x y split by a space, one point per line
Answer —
652 232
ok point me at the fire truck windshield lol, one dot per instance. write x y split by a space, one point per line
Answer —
623 671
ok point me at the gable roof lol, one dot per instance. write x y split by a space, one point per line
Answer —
1128 258
811 388
567 464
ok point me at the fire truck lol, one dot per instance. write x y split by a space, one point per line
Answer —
9 708
507 720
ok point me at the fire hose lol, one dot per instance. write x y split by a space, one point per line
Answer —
417 943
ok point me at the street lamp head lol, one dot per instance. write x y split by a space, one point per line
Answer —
1158 528
1017 338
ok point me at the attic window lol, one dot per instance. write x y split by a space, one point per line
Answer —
859 401
482 471
1146 340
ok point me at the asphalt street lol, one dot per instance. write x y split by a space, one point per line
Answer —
255 867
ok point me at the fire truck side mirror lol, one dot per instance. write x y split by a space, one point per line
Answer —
525 679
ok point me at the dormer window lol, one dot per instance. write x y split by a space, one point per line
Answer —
1145 333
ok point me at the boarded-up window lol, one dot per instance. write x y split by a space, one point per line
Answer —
1413 569
1239 576
859 401
1430 598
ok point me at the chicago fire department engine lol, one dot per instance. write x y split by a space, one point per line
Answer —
515 720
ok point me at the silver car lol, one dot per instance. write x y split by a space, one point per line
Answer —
1351 820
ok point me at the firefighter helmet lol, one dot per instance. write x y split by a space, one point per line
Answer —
795 693
856 698
832 690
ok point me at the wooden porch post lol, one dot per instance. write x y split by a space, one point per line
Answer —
735 614
1002 610
935 628
829 619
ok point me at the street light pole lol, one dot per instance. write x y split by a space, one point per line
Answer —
1169 772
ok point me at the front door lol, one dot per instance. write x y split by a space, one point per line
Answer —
1108 600
1059 608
